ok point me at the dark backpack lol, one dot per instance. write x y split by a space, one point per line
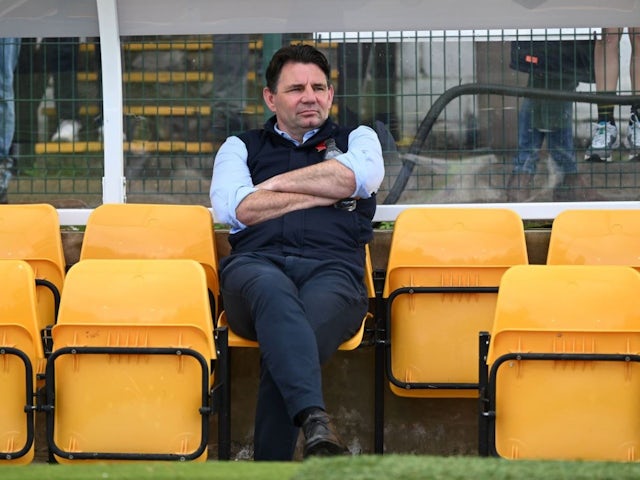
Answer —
569 59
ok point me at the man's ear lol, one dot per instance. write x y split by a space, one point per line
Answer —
267 95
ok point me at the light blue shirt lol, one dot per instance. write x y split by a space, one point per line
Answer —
231 181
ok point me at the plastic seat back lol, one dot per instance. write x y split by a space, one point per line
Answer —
443 273
21 358
153 231
595 237
131 368
585 407
31 232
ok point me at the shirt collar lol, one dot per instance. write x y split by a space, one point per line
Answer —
305 137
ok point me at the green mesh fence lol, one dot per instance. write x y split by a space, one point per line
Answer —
183 95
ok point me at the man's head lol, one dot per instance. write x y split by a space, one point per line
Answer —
298 89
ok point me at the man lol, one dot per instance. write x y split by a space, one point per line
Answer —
299 224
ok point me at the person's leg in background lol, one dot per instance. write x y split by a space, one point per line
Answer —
61 56
633 134
366 84
10 49
572 186
605 136
29 85
230 70
561 148
525 161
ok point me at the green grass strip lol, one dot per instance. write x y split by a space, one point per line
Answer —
408 467
211 470
365 467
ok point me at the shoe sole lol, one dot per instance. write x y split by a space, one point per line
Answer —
602 154
323 448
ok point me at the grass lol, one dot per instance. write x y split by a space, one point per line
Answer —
212 470
365 467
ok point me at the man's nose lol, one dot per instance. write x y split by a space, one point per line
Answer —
308 95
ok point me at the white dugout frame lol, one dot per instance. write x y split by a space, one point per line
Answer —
109 19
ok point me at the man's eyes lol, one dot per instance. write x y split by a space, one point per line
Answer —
316 88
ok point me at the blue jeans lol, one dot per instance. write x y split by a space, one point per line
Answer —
530 140
9 50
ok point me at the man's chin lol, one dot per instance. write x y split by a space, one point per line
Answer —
311 123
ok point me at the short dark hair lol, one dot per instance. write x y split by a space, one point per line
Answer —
298 53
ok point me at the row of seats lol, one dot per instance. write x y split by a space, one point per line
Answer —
135 301
131 336
120 303
551 350
123 360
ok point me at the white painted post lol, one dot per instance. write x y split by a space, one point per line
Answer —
113 182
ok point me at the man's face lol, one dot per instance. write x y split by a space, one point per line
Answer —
303 99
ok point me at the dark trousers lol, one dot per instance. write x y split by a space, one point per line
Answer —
300 311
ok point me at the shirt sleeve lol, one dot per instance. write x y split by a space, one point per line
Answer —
364 159
231 182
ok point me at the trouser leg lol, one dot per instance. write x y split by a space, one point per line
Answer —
275 434
9 51
262 302
299 311
61 56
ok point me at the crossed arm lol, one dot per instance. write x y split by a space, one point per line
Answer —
321 184
239 203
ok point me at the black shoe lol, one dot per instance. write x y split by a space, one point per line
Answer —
320 437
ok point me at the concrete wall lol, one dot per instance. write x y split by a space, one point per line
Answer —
421 426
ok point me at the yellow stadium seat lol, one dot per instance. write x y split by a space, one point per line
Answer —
563 379
595 237
31 232
236 340
21 359
131 371
442 277
154 231
227 338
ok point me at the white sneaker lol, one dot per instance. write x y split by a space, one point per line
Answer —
633 137
605 140
67 131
